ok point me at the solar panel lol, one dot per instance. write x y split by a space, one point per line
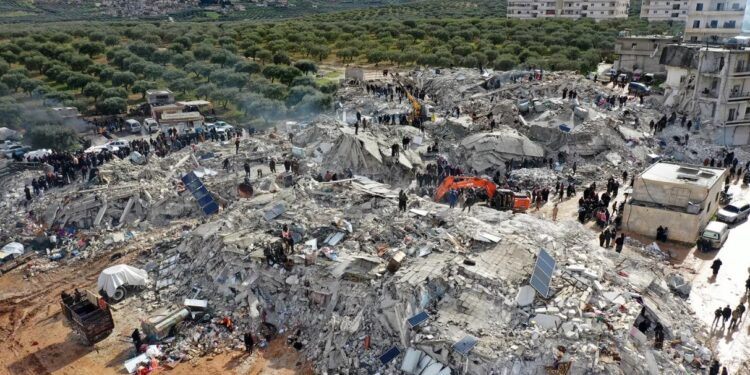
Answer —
389 355
542 275
465 345
202 196
418 319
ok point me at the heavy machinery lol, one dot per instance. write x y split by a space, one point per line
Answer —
89 317
418 111
506 200
464 182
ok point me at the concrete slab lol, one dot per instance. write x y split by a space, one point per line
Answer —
525 296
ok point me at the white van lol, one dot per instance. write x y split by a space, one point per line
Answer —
133 125
715 234
151 125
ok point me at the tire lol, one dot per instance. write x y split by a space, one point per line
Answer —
119 294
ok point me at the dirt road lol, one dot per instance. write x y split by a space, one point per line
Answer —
37 341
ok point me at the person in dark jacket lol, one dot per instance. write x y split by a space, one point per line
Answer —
715 266
725 314
249 342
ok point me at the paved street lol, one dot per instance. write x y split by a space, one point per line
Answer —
728 288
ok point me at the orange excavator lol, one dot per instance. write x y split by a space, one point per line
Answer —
501 199
464 182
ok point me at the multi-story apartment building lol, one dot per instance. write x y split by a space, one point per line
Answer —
713 85
596 9
664 10
713 20
641 52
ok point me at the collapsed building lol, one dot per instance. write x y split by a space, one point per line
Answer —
372 290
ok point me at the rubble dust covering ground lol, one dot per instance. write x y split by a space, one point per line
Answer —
361 268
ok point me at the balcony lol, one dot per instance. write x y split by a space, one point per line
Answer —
741 71
736 96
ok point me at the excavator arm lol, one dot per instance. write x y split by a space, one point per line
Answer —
464 182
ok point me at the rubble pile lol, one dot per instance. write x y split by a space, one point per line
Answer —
366 288
356 279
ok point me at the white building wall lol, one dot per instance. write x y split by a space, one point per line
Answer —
664 10
710 20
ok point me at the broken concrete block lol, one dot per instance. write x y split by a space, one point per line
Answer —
411 360
525 296
546 322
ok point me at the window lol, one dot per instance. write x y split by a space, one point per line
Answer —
675 15
720 6
735 6
730 24
693 39
699 6
676 7
696 24
714 24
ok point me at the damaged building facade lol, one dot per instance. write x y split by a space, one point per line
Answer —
714 84
641 52
681 197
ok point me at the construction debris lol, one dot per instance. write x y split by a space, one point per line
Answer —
359 287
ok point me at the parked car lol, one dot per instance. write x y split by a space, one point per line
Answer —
133 125
714 236
734 212
220 126
638 88
16 151
116 144
151 125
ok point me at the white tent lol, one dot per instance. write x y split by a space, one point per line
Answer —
10 249
116 276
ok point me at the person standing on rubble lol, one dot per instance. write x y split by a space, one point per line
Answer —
272 165
137 340
28 193
247 168
554 212
402 199
237 146
226 164
286 238
249 342
356 128
619 242
714 369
